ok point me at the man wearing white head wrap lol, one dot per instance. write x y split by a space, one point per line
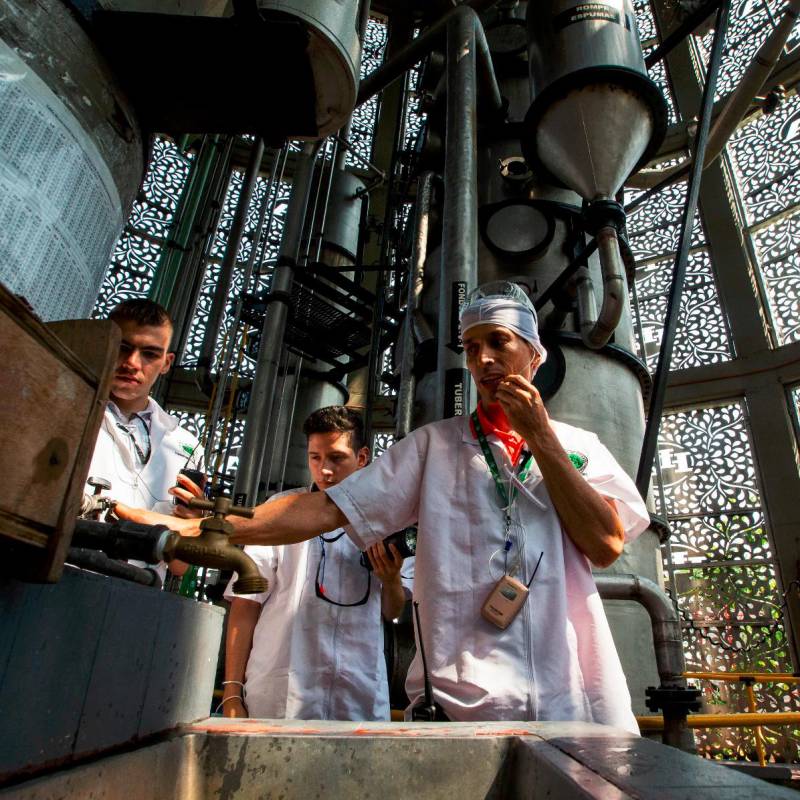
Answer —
503 303
504 493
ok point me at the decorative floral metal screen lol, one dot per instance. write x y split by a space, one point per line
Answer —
381 442
720 569
362 132
266 257
136 254
765 155
751 21
650 40
653 231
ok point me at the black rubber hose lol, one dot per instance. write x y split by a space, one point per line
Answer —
100 562
120 539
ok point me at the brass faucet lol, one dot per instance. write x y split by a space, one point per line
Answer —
212 548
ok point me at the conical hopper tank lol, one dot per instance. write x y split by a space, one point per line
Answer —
595 115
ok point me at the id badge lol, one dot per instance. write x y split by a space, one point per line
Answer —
504 602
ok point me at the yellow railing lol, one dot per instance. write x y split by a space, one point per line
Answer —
751 719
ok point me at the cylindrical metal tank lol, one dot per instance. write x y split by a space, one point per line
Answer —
343 221
287 428
71 159
335 53
524 222
595 114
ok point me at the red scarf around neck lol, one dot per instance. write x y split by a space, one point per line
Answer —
495 421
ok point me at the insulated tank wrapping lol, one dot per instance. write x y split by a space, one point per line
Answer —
71 159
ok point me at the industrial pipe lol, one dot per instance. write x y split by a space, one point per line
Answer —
272 333
419 252
459 271
420 47
276 174
154 543
751 83
672 695
596 329
99 562
650 443
667 638
204 223
735 720
209 345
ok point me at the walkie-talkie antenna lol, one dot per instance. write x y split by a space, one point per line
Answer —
428 688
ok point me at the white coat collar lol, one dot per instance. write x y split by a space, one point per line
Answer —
466 431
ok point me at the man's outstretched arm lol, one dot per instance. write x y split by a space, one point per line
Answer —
289 519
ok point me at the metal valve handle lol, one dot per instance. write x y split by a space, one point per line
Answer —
222 506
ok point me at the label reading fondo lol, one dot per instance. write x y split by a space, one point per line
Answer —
587 12
458 298
455 393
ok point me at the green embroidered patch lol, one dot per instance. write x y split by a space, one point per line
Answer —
579 460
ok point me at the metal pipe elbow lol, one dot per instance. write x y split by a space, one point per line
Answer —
667 639
597 329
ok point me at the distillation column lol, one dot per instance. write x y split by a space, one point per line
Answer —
547 184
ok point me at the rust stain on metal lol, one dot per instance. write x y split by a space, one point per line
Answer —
255 728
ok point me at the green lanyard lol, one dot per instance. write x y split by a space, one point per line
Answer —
507 497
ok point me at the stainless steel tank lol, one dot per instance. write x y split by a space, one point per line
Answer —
71 159
595 114
343 221
335 53
339 249
287 461
597 390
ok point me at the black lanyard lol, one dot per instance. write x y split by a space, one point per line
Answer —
319 580
507 497
144 457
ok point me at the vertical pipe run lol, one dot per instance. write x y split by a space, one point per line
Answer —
204 223
233 338
272 333
596 329
419 252
667 643
229 259
650 442
459 268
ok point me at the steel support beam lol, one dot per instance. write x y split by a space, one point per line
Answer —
229 259
650 443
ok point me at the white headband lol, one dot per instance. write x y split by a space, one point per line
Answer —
506 312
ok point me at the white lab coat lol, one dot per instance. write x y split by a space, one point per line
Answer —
557 660
173 448
311 659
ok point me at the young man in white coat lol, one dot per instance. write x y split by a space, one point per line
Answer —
140 448
312 646
501 494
